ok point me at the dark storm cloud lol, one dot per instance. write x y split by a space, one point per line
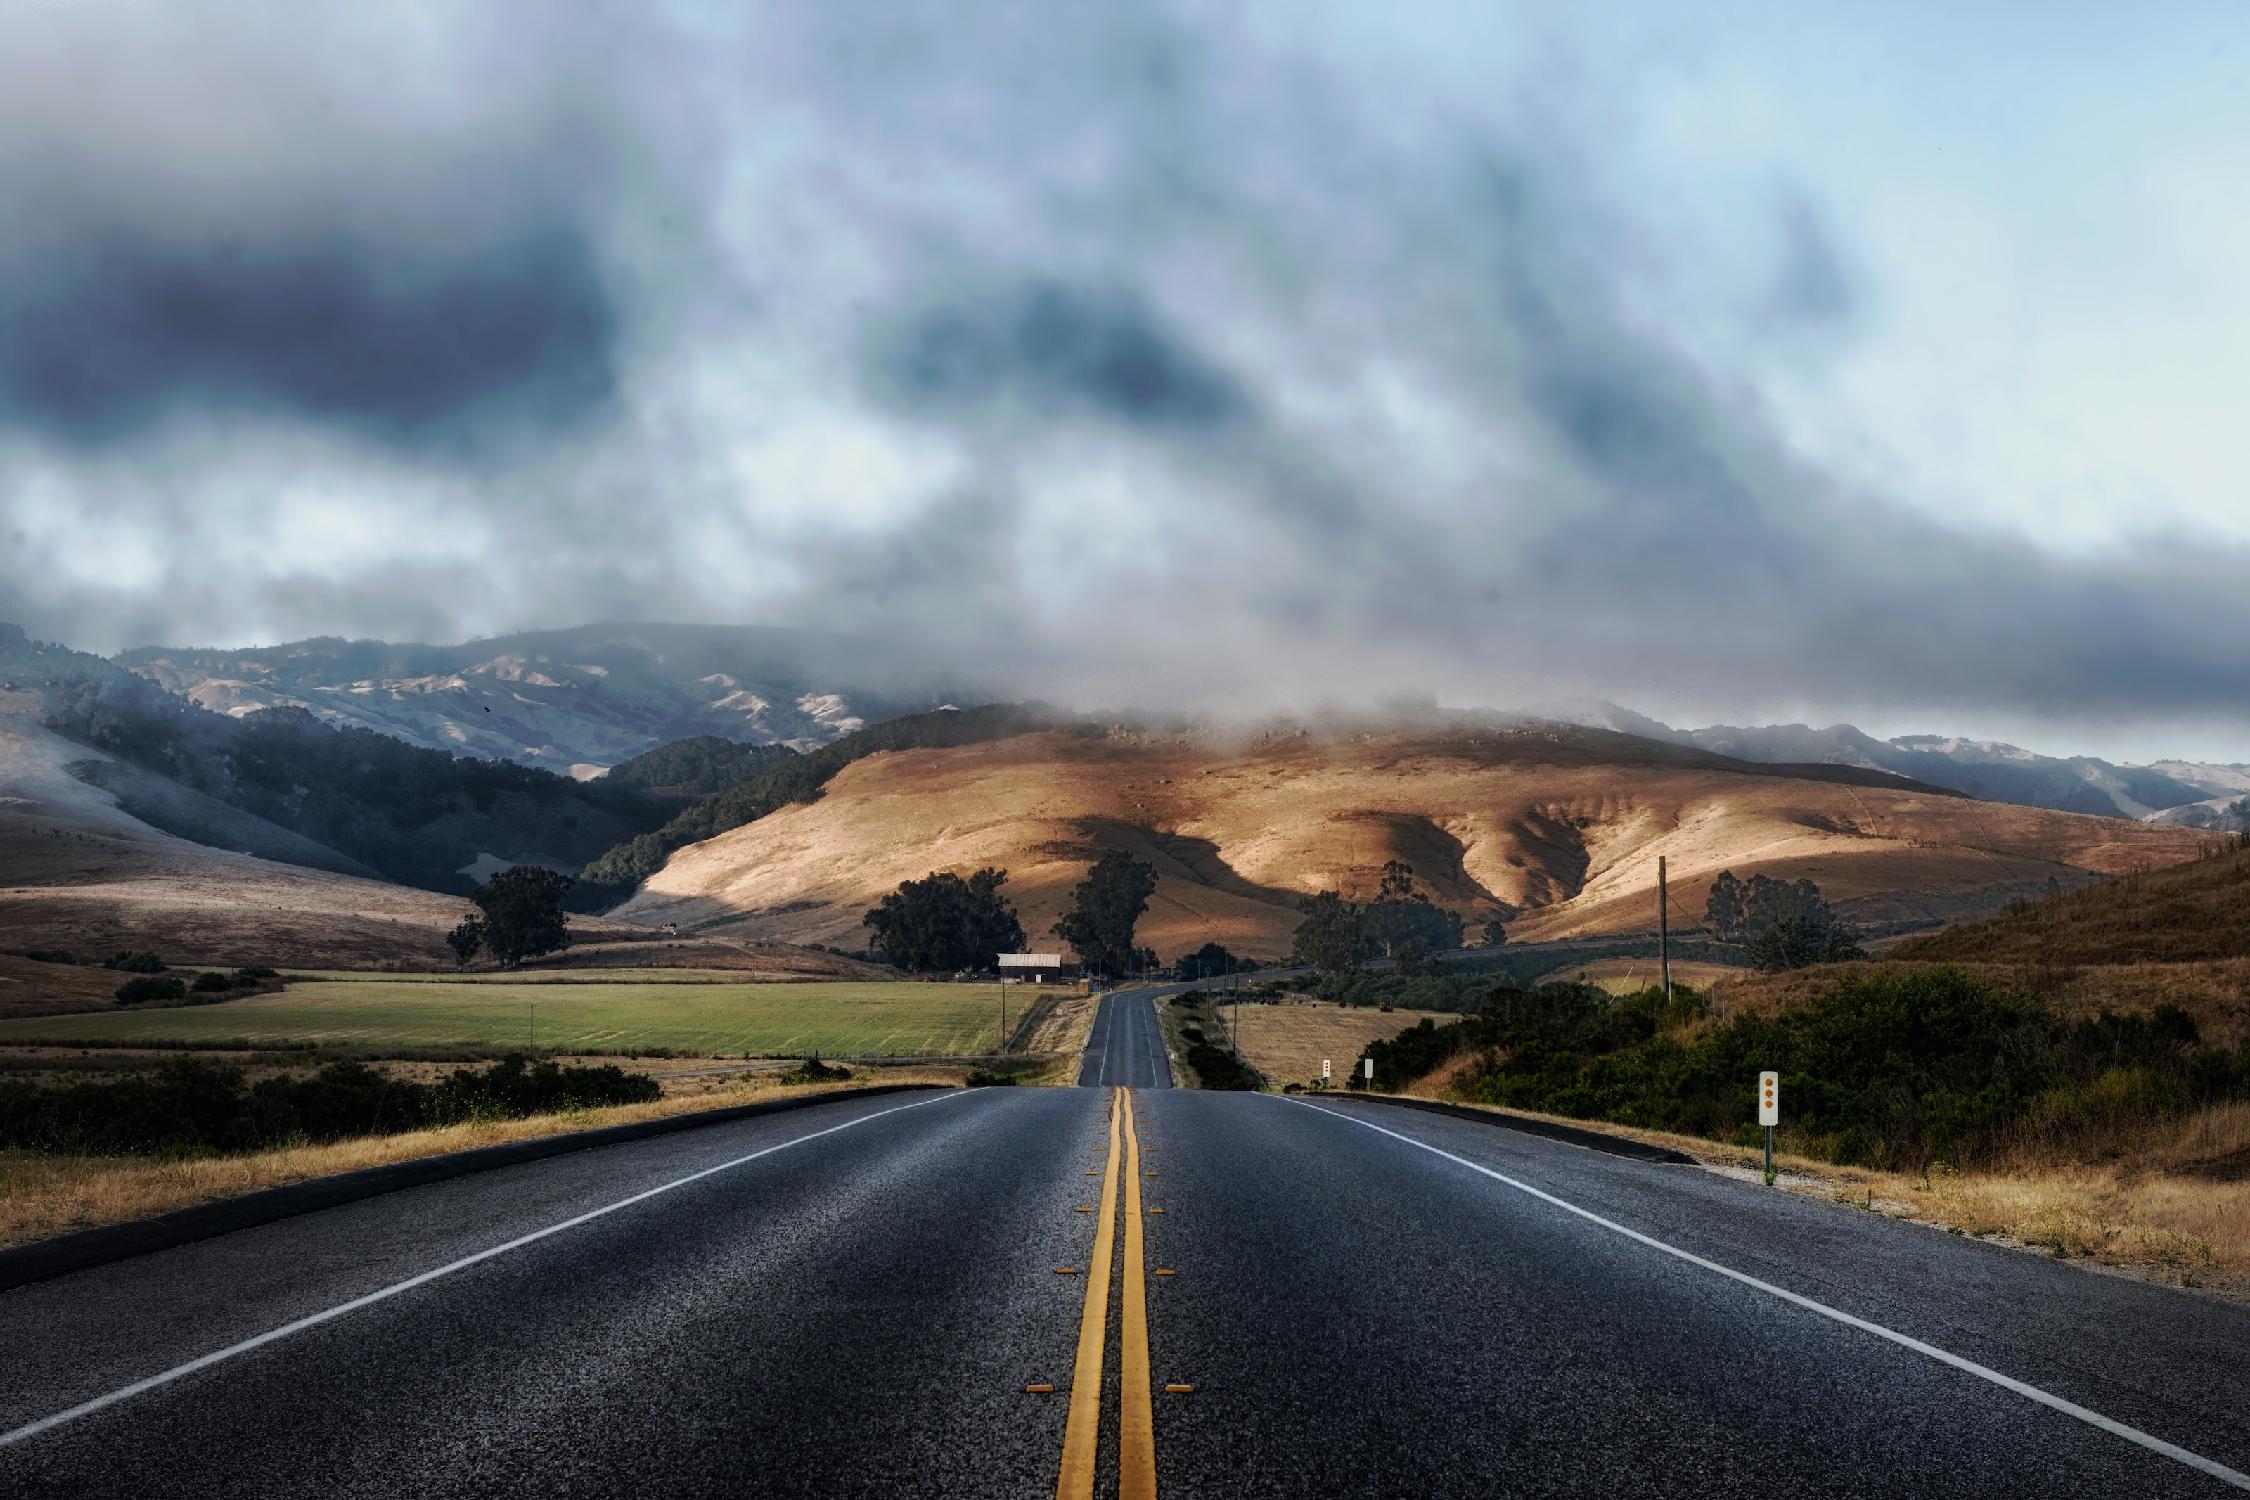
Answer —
408 344
1050 348
1145 357
1814 283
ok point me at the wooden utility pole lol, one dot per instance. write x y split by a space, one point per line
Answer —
1663 930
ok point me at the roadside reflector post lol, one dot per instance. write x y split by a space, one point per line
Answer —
1324 1072
1769 1114
1369 1064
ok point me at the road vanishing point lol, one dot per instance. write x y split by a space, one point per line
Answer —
1118 1290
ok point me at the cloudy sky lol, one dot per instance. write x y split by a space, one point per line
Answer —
1738 362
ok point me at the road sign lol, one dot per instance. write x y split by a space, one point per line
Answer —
1031 960
1324 1067
1369 1064
1769 1114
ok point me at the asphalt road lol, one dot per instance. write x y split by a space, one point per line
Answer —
1126 1046
1366 1301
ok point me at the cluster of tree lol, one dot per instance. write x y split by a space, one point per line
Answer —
1405 924
615 874
132 961
1213 961
193 1107
1782 924
1890 1068
519 915
1105 908
416 816
945 923
1402 924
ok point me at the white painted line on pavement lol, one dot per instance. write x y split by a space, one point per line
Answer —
2109 1425
313 1320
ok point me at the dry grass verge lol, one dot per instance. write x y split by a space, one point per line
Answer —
2176 1211
42 1196
1288 1042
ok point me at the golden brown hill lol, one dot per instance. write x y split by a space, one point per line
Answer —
2194 912
1556 830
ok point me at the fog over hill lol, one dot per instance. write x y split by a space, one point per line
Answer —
581 699
577 700
2189 794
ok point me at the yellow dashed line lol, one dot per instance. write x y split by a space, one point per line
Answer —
1082 1432
1136 1423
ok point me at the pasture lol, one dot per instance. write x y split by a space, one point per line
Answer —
384 1014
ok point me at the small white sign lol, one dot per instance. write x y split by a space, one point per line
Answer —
1369 1064
1769 1098
1324 1067
1031 960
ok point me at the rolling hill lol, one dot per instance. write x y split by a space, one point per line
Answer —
574 701
1554 829
79 872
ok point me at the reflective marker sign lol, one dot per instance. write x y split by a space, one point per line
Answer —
1369 1064
1324 1067
1769 1098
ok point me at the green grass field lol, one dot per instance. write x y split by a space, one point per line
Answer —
698 1019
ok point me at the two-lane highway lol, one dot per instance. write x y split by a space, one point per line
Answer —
1111 1290
1126 1048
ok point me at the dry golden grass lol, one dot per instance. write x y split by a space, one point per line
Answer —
2198 911
1563 828
2174 1207
1064 1025
1625 976
42 1196
36 989
1287 1042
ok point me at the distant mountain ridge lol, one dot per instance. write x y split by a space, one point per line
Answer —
2189 794
575 701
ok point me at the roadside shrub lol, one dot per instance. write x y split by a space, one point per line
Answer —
1887 1069
211 981
985 1078
135 961
139 991
813 1070
196 1108
252 973
1218 1067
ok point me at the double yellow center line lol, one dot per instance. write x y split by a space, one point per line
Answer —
1136 1427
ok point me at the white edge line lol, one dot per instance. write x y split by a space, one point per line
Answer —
2109 1425
314 1320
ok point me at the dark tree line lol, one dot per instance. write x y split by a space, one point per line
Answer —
1783 924
417 816
1402 924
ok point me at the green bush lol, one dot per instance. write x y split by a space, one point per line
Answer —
1887 1069
135 961
985 1078
211 981
813 1070
139 991
192 1108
